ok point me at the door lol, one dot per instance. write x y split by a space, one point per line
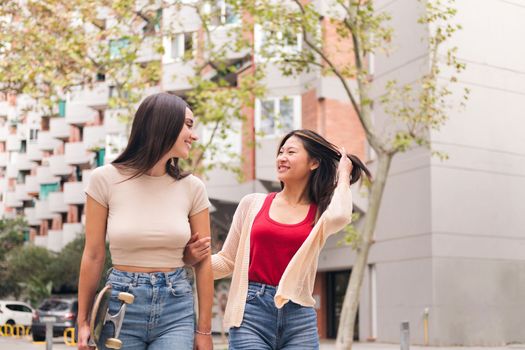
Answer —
337 282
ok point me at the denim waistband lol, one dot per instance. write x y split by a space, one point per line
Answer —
153 278
263 288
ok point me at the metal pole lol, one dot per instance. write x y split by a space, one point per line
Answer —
405 336
49 335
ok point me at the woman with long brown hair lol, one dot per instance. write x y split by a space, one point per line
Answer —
148 208
274 242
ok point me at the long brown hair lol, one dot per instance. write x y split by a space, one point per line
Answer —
323 179
156 126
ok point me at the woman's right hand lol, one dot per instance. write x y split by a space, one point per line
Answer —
196 250
83 337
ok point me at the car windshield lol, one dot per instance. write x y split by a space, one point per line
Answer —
54 305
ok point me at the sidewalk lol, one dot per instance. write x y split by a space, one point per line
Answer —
8 343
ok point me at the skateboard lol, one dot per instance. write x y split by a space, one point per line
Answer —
100 316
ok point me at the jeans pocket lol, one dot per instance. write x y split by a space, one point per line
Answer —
181 288
252 294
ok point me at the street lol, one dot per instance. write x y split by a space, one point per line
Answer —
26 343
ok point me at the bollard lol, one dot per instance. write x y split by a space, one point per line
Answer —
19 330
405 336
67 333
6 330
49 321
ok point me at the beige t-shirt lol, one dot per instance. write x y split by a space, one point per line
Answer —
148 216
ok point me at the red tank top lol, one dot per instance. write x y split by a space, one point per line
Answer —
273 244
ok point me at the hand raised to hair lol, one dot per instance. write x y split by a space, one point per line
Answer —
345 166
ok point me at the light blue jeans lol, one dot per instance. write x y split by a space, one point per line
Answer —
162 315
264 326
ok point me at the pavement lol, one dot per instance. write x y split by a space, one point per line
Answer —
26 343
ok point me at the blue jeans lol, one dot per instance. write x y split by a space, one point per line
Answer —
264 326
162 315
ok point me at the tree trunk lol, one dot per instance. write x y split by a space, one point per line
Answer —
345 332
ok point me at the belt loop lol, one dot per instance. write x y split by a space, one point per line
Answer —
263 288
108 272
135 279
167 278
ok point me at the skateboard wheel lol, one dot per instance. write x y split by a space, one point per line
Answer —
113 343
126 297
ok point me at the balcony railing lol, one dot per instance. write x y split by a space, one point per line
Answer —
23 163
13 143
95 98
11 201
3 160
74 193
32 185
112 123
56 202
44 176
54 240
76 154
41 241
71 231
33 152
58 166
59 129
94 137
12 171
30 214
21 193
42 210
46 142
79 114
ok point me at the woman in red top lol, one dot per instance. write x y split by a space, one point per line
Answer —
308 167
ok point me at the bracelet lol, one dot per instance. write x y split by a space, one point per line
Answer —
202 333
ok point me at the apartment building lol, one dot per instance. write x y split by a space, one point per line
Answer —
449 235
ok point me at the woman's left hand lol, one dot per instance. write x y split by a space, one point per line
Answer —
203 342
345 165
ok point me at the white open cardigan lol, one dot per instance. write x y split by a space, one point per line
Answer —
297 281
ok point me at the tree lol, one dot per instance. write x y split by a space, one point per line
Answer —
414 108
11 238
50 49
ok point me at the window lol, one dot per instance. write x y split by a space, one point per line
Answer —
48 188
62 108
222 12
33 134
116 47
183 46
153 21
276 116
274 41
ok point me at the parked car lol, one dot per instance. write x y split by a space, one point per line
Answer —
64 311
15 312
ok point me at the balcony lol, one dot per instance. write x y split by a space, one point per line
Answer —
22 132
21 193
54 240
56 202
112 123
96 98
58 166
42 210
13 143
76 154
74 193
3 134
175 75
94 137
79 114
44 176
30 214
12 171
147 51
3 185
33 152
11 201
32 185
71 231
3 160
46 142
265 158
59 129
41 241
23 163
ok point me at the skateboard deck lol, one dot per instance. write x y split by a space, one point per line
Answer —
99 313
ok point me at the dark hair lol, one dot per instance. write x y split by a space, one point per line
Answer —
323 179
156 126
